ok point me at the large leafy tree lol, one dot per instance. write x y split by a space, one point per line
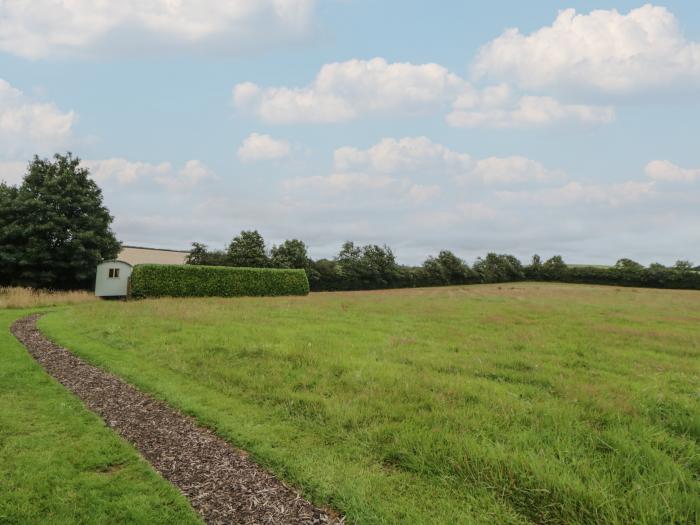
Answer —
248 250
290 254
54 228
433 273
380 265
455 269
369 266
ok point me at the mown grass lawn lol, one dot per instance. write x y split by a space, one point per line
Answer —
60 464
515 403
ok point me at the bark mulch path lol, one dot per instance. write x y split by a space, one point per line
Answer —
221 482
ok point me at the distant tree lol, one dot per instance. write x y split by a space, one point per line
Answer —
290 254
628 265
534 271
201 255
554 268
379 266
455 269
54 228
627 271
366 267
514 268
198 254
324 275
495 268
683 266
657 267
433 273
349 266
248 250
489 268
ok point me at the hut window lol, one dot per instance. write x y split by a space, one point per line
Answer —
114 273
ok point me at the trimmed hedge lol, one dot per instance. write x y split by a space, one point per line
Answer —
160 280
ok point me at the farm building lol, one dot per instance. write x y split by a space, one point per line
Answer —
139 255
112 279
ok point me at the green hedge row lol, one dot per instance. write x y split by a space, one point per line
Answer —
643 277
159 280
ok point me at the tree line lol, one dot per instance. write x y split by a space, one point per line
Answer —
55 229
372 266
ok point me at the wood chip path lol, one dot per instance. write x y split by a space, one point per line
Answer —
222 483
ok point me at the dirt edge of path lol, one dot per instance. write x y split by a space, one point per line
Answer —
222 483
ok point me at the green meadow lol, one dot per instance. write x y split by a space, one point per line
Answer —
514 403
60 464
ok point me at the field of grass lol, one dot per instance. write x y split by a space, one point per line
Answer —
16 297
60 464
516 403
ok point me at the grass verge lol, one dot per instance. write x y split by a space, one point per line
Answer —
17 297
60 464
515 403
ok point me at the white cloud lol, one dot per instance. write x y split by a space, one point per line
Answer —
414 173
192 174
28 127
420 155
342 91
515 169
12 172
458 215
45 28
362 189
420 193
605 51
406 154
263 147
124 171
528 111
577 193
666 171
339 182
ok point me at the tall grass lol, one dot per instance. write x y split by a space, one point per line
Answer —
17 297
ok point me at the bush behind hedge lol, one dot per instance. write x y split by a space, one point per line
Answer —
159 280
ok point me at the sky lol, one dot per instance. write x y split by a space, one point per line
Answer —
568 128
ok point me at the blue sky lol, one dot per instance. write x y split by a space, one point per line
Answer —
421 126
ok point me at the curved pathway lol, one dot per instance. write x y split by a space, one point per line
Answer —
222 483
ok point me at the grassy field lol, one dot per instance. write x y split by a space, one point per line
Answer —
60 464
517 403
16 297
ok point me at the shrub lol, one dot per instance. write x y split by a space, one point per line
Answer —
158 280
